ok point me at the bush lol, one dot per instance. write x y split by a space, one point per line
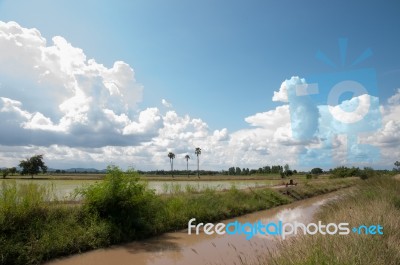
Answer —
317 171
344 172
308 176
124 202
366 173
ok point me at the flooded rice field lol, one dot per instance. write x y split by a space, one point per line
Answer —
64 189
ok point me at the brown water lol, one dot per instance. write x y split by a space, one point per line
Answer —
181 248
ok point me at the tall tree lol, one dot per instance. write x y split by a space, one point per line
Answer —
33 165
197 151
5 172
13 170
397 164
286 167
171 161
187 157
238 171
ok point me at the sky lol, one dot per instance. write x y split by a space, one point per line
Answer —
89 83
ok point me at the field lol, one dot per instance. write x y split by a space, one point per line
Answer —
122 208
62 186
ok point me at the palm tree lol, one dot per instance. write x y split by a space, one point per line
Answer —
197 151
171 160
187 157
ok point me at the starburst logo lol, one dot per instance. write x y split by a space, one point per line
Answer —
343 53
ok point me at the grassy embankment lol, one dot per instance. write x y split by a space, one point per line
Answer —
119 209
375 201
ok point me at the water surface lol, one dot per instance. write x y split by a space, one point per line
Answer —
63 189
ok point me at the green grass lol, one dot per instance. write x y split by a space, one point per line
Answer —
375 201
121 208
33 230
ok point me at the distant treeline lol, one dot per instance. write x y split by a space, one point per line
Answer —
338 172
14 170
276 169
77 171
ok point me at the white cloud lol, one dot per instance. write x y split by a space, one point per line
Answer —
149 121
270 142
281 95
395 99
9 105
65 96
280 115
388 136
221 135
296 84
166 103
39 122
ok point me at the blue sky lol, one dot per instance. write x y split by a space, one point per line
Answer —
220 61
206 56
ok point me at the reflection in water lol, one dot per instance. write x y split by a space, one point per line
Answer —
181 248
303 213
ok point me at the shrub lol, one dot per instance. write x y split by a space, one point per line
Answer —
343 172
124 202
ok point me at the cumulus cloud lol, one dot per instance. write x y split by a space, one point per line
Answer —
54 100
65 98
388 136
395 99
149 121
281 94
270 118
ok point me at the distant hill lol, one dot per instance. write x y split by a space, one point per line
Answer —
78 170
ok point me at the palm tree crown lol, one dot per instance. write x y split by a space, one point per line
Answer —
197 151
171 155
